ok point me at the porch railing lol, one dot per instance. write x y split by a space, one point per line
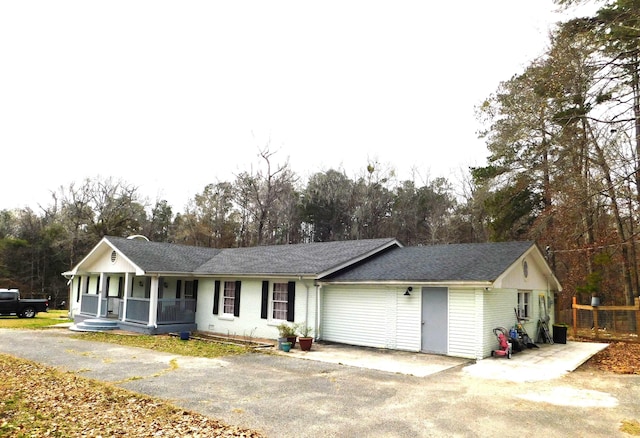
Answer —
170 311
89 304
173 311
137 310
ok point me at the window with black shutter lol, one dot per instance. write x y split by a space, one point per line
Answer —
216 297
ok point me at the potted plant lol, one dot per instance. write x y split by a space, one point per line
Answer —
286 347
304 336
287 333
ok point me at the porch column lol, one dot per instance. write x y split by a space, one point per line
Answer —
153 302
101 288
128 279
73 287
75 303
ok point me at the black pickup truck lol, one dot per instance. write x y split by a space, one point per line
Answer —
12 304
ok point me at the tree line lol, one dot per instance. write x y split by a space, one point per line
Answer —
563 169
564 142
262 207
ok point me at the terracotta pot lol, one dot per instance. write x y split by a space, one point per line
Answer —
305 343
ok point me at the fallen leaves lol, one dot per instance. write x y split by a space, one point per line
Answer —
618 357
39 401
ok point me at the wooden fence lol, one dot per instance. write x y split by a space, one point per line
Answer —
624 319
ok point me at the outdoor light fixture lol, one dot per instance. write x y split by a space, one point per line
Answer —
408 291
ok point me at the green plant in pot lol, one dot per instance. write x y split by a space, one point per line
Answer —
304 336
287 333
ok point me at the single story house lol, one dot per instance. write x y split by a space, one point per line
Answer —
443 299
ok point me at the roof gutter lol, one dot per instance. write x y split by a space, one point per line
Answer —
466 284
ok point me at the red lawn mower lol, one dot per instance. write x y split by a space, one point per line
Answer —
503 341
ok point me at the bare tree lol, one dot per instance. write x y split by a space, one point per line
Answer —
260 197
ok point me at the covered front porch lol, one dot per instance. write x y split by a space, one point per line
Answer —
140 304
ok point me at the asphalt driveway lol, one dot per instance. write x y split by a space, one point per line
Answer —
285 396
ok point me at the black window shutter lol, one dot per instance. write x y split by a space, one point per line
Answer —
291 301
195 289
79 283
216 297
264 309
120 286
178 288
236 301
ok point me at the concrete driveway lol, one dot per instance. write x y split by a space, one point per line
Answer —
285 396
548 361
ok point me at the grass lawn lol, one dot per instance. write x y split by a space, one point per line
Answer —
37 400
41 320
166 343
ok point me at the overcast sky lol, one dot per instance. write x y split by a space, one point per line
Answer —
171 96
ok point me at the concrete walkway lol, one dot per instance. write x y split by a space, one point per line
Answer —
549 361
401 362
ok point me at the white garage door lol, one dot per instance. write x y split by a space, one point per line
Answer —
359 317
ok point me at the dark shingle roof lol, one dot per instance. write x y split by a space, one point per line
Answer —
454 262
298 259
162 257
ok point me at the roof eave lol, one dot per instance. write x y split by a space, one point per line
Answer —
297 275
464 284
389 244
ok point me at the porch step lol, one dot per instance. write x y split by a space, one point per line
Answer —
94 325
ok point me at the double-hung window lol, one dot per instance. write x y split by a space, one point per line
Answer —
279 301
229 297
524 304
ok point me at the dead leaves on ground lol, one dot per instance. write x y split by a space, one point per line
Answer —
619 358
39 401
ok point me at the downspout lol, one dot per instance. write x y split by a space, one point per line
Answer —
306 302
318 313
306 310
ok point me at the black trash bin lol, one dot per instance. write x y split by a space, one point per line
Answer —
559 334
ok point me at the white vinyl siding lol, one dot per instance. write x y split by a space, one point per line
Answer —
499 305
408 321
463 319
371 317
